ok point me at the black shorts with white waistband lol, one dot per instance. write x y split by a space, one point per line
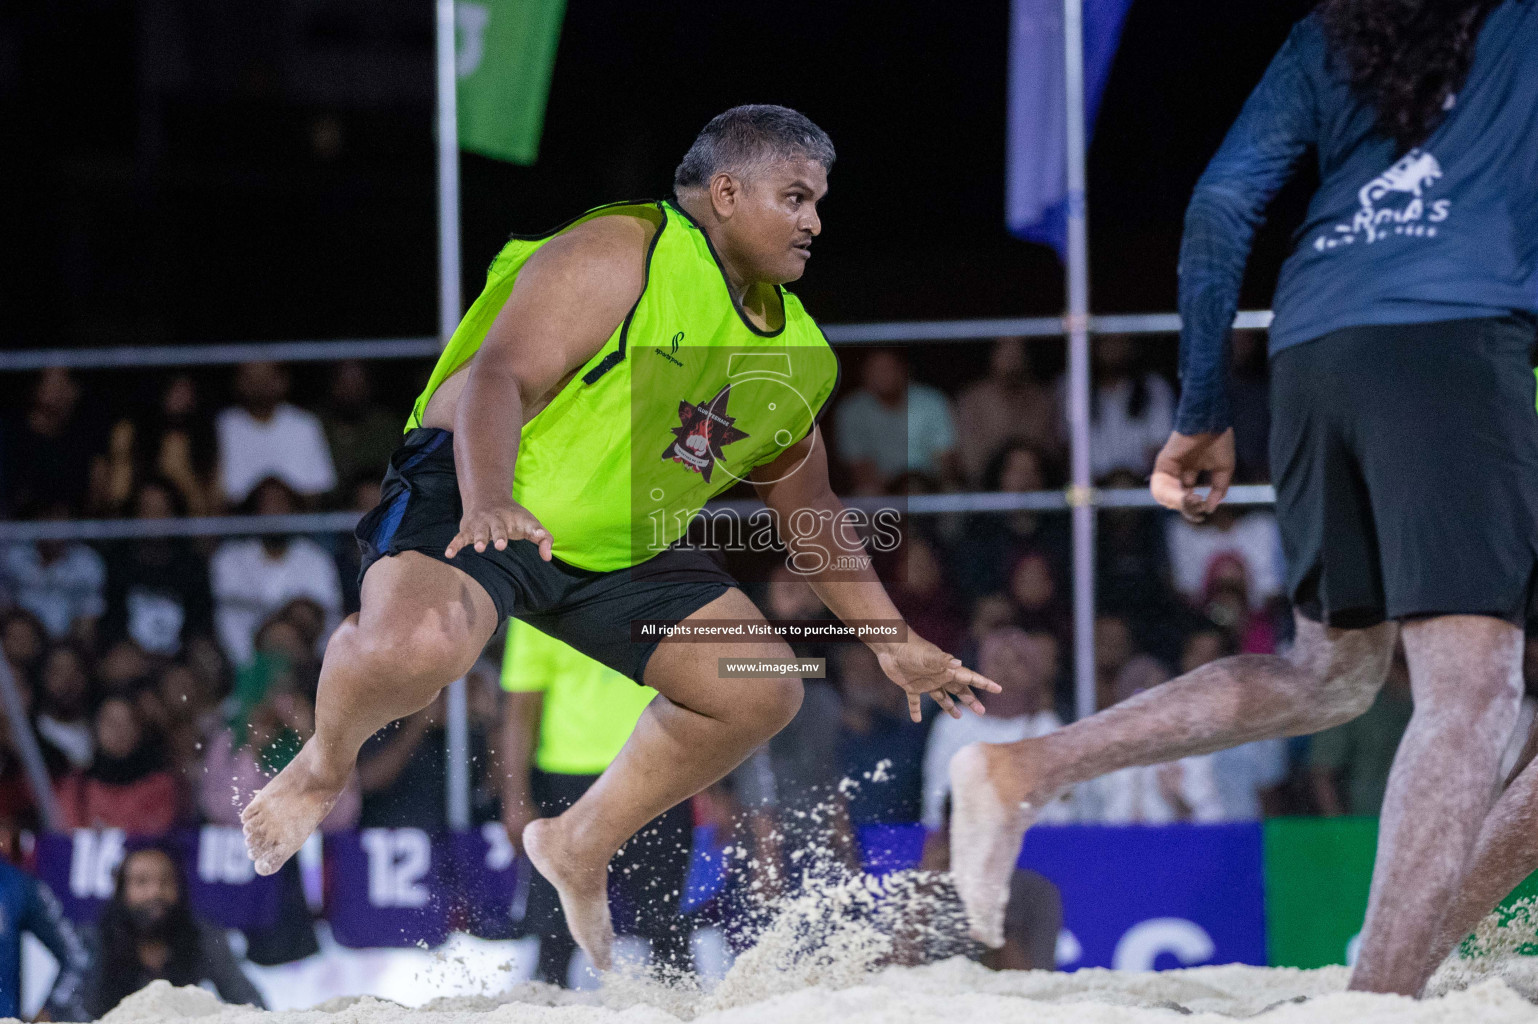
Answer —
419 510
1406 466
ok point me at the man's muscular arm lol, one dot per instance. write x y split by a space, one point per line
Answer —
568 300
795 486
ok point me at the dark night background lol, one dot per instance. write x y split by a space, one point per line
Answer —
254 170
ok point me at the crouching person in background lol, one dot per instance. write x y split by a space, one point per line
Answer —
147 932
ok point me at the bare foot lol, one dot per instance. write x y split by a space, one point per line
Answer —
583 888
282 816
991 807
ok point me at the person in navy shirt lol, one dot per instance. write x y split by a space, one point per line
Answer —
27 905
1404 450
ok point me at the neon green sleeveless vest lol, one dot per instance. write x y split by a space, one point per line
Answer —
684 400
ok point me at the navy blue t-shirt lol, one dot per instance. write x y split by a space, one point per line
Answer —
27 905
1446 231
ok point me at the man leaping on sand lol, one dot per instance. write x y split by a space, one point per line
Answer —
1404 448
612 377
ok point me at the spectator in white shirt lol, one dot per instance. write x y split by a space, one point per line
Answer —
1025 665
264 436
1252 537
1154 794
253 578
1131 412
63 583
892 426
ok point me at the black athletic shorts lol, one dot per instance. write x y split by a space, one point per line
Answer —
419 510
1406 466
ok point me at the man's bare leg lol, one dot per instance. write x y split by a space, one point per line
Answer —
1466 676
1505 854
1330 677
422 625
698 730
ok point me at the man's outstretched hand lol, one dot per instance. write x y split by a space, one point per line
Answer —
1182 461
498 526
920 667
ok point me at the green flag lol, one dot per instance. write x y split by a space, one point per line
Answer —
505 55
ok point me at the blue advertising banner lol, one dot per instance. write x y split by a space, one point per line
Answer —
485 868
222 884
888 848
1134 897
1138 897
386 887
707 869
79 867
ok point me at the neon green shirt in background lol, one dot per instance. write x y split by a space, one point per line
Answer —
589 709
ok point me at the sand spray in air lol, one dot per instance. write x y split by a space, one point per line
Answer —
834 928
838 928
811 921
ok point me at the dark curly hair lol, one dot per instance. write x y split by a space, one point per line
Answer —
1405 57
119 972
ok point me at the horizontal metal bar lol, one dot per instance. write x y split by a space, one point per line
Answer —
1245 495
896 332
1044 501
1168 323
343 522
899 331
201 526
131 356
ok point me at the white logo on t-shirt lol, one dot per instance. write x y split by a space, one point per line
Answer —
1381 215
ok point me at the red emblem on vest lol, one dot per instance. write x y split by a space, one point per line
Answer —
701 433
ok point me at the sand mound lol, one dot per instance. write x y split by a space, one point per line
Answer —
159 1000
823 955
954 990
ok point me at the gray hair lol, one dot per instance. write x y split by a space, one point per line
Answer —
745 137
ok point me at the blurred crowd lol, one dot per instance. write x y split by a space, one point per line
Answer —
163 679
163 676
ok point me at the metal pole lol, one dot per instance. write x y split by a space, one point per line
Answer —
26 747
449 309
1080 493
456 735
456 739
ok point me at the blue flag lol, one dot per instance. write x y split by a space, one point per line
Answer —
1036 174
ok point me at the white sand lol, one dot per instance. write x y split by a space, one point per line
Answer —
817 963
955 990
